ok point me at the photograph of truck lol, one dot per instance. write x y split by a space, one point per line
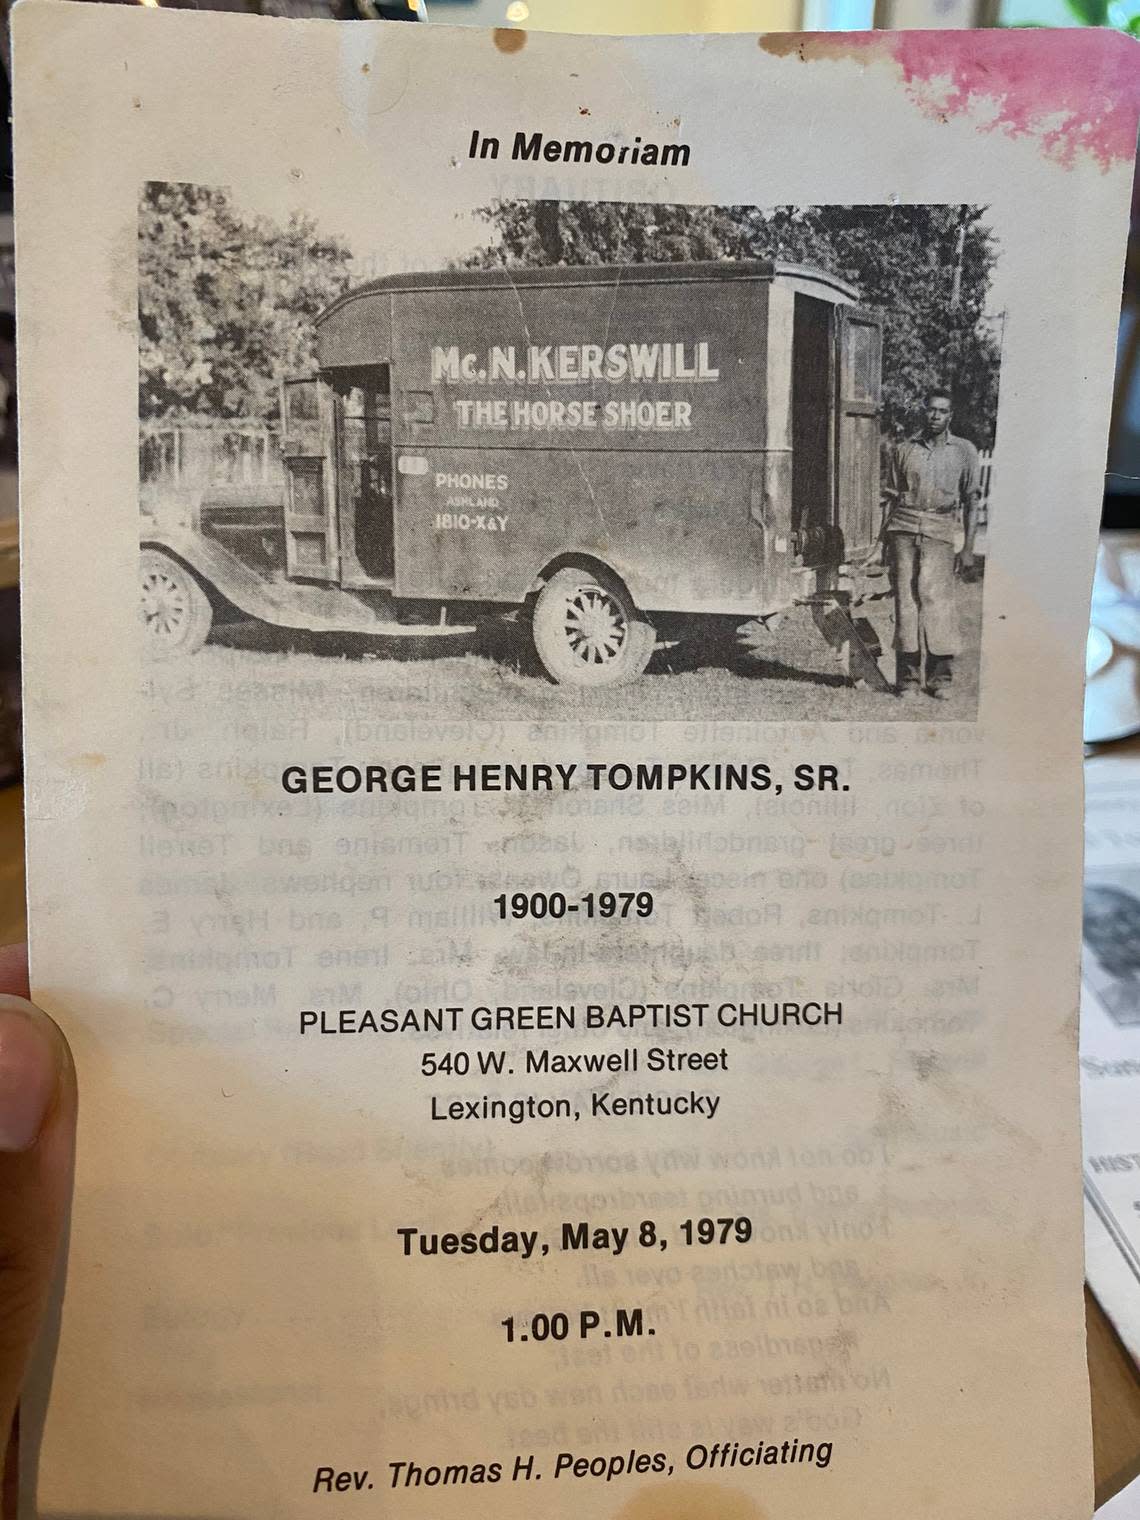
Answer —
605 473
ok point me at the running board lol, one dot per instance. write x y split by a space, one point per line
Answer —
420 630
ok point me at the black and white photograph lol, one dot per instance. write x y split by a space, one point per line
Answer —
1112 942
604 459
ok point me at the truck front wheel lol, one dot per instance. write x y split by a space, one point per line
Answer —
176 612
587 633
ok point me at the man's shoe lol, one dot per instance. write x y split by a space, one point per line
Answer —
908 680
939 676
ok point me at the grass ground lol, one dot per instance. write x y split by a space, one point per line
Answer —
788 674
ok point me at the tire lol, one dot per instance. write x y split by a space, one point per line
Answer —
175 610
588 633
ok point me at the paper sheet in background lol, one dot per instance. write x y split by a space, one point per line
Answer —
1122 1506
1110 1038
246 1331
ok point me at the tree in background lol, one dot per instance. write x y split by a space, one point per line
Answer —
226 302
925 269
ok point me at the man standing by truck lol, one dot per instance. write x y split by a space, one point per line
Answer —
932 483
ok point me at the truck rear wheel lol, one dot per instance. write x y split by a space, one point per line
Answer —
588 633
176 611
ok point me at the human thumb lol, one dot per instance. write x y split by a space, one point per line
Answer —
37 1147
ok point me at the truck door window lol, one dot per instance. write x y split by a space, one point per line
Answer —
302 418
860 359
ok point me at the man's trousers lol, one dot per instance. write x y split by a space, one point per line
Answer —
926 593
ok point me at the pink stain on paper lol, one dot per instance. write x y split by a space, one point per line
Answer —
1077 92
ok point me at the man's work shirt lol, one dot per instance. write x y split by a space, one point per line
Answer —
928 481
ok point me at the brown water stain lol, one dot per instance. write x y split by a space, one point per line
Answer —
508 40
925 1063
894 1118
812 47
691 1501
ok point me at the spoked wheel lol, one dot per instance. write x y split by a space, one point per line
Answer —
587 633
176 612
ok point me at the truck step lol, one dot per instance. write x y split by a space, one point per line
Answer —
849 639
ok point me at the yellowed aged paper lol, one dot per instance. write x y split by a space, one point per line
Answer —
653 17
564 893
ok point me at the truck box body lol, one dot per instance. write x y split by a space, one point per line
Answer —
708 432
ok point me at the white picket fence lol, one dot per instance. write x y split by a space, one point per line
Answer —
986 460
190 456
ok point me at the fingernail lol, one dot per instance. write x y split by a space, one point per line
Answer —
31 1059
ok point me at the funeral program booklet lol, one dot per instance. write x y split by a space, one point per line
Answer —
556 573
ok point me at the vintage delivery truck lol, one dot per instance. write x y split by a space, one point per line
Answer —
606 453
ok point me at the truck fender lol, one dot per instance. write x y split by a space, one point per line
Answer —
581 560
281 603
